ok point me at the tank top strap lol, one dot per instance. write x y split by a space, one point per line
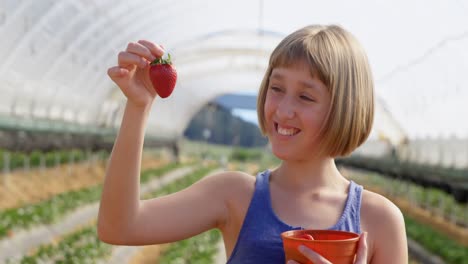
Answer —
350 219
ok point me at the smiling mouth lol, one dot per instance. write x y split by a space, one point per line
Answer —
286 131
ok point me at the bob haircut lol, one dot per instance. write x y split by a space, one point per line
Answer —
336 58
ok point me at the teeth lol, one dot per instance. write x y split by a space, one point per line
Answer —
287 132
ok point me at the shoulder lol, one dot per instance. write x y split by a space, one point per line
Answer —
380 217
230 182
375 206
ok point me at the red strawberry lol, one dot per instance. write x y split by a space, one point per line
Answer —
306 236
163 76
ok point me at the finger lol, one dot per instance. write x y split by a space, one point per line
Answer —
313 256
292 262
361 256
155 49
129 60
141 50
116 72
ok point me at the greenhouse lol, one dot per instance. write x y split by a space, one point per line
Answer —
61 113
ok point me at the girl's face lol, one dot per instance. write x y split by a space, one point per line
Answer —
296 106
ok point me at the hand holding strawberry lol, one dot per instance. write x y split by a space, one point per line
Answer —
163 76
132 72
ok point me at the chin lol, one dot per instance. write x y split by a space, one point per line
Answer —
283 154
291 155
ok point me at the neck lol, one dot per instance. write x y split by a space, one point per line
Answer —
312 175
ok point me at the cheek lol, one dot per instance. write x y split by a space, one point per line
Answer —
268 108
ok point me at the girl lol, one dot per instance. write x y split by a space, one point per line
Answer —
316 103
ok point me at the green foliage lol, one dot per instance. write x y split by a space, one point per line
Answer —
450 180
241 154
181 183
200 249
54 208
51 158
436 242
81 246
35 157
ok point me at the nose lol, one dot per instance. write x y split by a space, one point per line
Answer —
285 109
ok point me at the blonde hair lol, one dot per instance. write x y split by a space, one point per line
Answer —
339 61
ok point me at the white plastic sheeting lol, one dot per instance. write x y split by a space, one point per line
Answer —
55 53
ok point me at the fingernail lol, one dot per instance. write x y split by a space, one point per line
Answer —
291 262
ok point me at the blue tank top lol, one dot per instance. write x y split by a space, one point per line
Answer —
259 239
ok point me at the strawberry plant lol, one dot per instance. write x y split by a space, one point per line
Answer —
436 242
52 209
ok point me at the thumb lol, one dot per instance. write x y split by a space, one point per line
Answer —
361 256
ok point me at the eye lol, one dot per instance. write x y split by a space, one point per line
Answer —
276 89
306 98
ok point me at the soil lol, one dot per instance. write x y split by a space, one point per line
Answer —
29 187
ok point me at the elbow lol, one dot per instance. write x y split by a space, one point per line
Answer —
110 238
106 236
109 235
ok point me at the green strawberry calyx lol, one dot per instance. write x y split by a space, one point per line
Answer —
162 60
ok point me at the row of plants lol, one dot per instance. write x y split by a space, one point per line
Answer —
51 210
16 160
259 155
436 242
451 180
433 240
431 199
181 183
200 249
84 246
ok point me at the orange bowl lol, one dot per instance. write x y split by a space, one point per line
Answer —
339 247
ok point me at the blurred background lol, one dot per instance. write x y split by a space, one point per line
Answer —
59 115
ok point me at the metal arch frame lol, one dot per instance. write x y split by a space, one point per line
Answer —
23 5
144 22
47 74
228 67
206 37
25 41
38 26
118 38
100 78
92 63
70 49
83 36
26 37
209 54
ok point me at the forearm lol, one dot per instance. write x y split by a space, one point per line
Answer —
120 196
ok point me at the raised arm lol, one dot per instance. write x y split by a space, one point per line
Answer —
120 195
123 218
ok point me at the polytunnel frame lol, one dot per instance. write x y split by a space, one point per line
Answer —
107 92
